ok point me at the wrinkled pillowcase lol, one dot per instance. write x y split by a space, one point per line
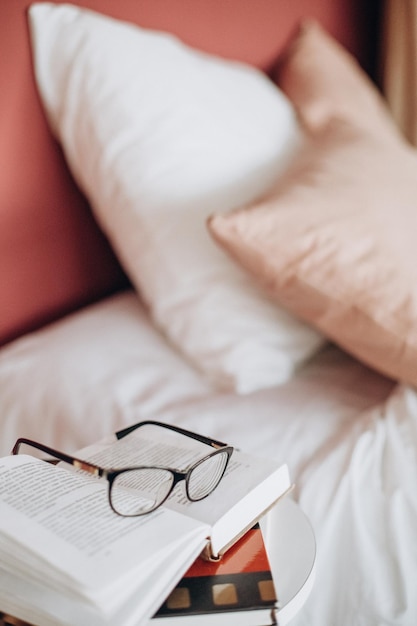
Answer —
336 243
159 136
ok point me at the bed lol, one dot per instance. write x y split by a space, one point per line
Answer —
215 229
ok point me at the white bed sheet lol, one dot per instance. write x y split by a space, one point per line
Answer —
348 434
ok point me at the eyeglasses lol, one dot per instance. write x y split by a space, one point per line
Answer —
135 491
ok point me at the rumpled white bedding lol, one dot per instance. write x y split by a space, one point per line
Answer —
348 435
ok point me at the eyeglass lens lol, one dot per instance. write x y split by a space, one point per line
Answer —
205 477
140 491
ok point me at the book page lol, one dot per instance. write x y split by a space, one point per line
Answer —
152 445
65 519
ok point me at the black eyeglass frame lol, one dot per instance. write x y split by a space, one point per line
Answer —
110 474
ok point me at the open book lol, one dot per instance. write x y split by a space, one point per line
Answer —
67 558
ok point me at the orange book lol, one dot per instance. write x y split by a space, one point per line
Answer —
239 588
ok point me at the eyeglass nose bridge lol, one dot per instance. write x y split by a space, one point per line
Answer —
179 477
185 476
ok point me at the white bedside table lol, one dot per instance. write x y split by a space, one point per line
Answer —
291 546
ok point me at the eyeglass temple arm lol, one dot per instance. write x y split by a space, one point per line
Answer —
182 431
72 460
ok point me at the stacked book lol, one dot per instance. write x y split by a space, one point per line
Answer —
67 558
238 589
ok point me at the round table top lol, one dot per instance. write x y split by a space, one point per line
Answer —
291 547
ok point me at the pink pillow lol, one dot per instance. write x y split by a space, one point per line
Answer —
322 79
336 243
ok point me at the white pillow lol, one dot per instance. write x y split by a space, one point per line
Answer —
159 136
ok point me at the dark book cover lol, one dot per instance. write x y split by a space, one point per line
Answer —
239 587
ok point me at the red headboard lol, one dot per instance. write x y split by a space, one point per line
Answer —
53 258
